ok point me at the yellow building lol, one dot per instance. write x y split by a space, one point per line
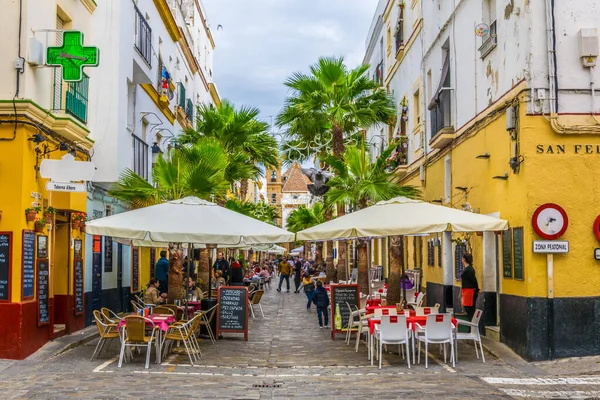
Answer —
42 261
487 131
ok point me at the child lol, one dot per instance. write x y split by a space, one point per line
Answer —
321 300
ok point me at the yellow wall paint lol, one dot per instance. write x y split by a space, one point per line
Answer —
569 180
18 174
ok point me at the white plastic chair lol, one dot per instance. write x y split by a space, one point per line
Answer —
418 302
422 311
393 330
473 333
378 312
437 331
353 323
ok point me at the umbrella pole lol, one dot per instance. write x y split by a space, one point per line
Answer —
369 263
402 274
187 277
210 248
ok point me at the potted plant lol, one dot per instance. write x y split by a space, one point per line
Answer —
39 225
76 219
82 222
49 214
31 212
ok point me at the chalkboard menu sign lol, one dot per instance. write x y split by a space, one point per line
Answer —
42 292
518 252
78 286
459 252
5 264
439 251
135 269
28 265
506 253
340 295
108 250
152 263
430 253
232 314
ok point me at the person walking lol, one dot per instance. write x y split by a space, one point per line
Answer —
222 265
162 271
321 300
297 273
470 286
284 273
309 289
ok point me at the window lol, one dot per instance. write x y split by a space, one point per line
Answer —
189 109
417 107
273 198
181 95
415 12
143 36
159 70
490 40
140 157
295 196
76 99
400 30
274 176
389 39
440 106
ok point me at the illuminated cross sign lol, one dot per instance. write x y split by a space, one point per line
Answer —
72 56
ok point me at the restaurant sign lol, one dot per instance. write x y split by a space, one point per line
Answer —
551 246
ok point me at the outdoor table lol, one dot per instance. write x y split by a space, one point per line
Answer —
374 302
411 322
371 309
196 305
162 322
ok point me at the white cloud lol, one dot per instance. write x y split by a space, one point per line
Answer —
264 41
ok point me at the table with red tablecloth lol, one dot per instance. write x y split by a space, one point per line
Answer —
162 322
411 322
373 302
371 309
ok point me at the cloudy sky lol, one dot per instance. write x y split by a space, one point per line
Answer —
263 41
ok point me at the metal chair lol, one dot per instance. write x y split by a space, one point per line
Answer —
163 310
106 331
186 333
256 301
133 334
207 317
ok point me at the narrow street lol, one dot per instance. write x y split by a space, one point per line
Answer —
287 356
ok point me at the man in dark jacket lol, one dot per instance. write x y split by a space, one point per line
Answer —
162 272
222 265
321 300
297 273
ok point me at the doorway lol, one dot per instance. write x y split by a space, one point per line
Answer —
61 267
96 296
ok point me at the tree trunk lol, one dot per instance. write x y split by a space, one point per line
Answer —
396 262
204 268
176 291
342 271
319 255
306 250
337 141
243 189
329 268
363 267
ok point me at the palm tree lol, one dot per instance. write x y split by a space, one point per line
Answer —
326 107
360 183
261 211
196 170
244 137
305 217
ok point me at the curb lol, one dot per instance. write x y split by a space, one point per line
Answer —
76 344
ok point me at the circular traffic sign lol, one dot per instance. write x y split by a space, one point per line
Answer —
597 228
550 221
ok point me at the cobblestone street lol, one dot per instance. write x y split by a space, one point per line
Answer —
287 356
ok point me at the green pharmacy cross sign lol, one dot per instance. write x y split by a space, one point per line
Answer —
72 56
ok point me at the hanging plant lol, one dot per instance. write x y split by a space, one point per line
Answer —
31 213
77 219
39 225
49 214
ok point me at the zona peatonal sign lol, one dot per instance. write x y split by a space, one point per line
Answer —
551 246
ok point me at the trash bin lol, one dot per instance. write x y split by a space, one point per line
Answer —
207 304
464 317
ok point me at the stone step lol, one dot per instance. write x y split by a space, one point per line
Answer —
493 333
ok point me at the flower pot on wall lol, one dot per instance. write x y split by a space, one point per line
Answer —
75 224
30 215
38 227
49 218
82 227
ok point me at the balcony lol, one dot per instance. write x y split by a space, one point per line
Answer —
140 157
400 33
143 37
490 41
442 131
73 95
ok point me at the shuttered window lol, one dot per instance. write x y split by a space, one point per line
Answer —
57 104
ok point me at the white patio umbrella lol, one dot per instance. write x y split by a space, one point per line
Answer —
401 216
189 220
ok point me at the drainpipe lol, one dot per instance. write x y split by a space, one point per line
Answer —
18 71
556 125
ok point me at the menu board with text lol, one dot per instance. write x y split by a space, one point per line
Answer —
28 265
506 253
135 269
78 286
42 292
460 251
340 295
232 314
518 252
5 264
